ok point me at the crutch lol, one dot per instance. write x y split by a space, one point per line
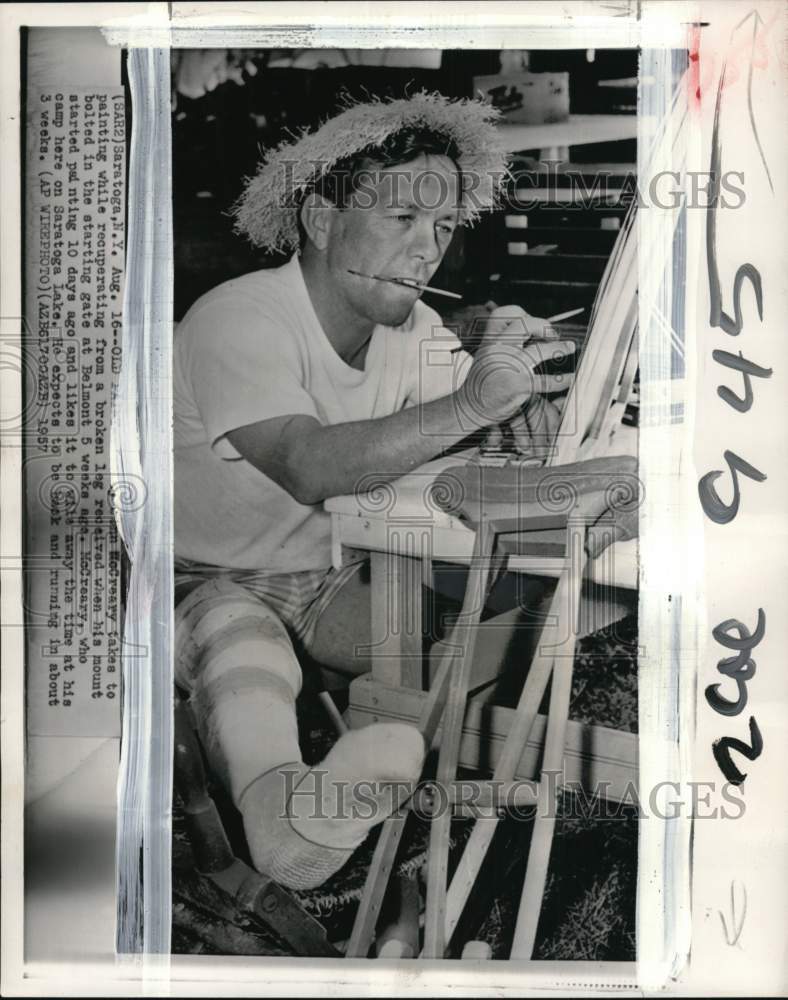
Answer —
552 761
391 833
435 936
440 826
564 607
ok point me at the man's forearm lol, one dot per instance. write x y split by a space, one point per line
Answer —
338 459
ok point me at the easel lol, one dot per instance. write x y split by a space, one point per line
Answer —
446 702
606 372
443 911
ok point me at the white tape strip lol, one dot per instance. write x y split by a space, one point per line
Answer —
142 446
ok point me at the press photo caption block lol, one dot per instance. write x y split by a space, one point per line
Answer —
70 351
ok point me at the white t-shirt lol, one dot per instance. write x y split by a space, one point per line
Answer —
253 349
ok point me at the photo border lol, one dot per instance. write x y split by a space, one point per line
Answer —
149 31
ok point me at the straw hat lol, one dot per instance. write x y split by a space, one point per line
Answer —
267 211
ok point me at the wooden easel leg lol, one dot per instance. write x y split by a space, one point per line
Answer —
555 739
484 829
368 911
391 832
399 938
440 828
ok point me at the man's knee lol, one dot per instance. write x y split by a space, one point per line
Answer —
342 645
220 627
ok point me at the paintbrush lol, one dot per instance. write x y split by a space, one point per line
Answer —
559 316
550 319
407 283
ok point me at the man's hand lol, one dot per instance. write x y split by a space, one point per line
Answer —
312 461
536 426
502 377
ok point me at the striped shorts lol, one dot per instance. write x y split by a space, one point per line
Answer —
299 599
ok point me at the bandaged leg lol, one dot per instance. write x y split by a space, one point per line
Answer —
235 657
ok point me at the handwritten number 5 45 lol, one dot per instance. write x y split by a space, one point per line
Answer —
741 667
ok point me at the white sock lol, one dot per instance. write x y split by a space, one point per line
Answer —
303 824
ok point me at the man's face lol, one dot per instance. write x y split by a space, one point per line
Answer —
397 224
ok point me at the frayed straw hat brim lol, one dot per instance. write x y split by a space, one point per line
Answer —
267 210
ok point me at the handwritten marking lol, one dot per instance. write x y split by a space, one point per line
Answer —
756 20
713 507
739 668
722 747
754 47
748 369
733 931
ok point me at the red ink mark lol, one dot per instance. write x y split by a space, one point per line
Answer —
693 71
748 51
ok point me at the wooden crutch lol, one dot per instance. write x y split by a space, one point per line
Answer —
435 934
552 759
440 827
391 832
475 851
563 607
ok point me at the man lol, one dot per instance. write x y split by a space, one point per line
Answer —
295 384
